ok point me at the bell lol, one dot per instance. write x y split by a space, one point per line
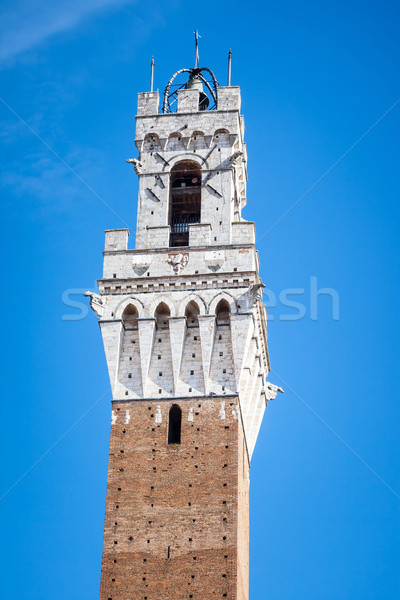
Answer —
195 83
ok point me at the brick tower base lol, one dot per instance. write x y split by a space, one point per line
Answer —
176 524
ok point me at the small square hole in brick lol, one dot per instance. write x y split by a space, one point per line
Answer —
193 356
159 357
192 372
190 389
224 370
160 374
221 353
114 275
129 375
126 393
195 338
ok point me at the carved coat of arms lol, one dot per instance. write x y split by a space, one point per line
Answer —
178 261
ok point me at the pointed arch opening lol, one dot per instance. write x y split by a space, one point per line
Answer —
185 200
174 425
130 317
161 314
222 311
192 314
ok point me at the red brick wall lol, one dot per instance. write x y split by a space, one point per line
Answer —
188 502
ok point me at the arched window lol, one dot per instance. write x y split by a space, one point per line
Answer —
221 137
161 314
222 311
192 314
174 425
185 200
151 143
130 317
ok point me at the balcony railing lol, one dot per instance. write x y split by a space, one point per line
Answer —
181 225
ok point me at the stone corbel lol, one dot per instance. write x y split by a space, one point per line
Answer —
96 303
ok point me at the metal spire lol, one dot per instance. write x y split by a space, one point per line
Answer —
229 67
152 74
196 39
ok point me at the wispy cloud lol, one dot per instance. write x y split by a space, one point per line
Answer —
44 188
29 23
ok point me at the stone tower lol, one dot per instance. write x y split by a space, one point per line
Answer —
185 337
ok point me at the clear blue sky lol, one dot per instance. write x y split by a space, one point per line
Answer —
325 478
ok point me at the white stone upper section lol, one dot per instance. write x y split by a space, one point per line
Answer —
213 140
183 317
